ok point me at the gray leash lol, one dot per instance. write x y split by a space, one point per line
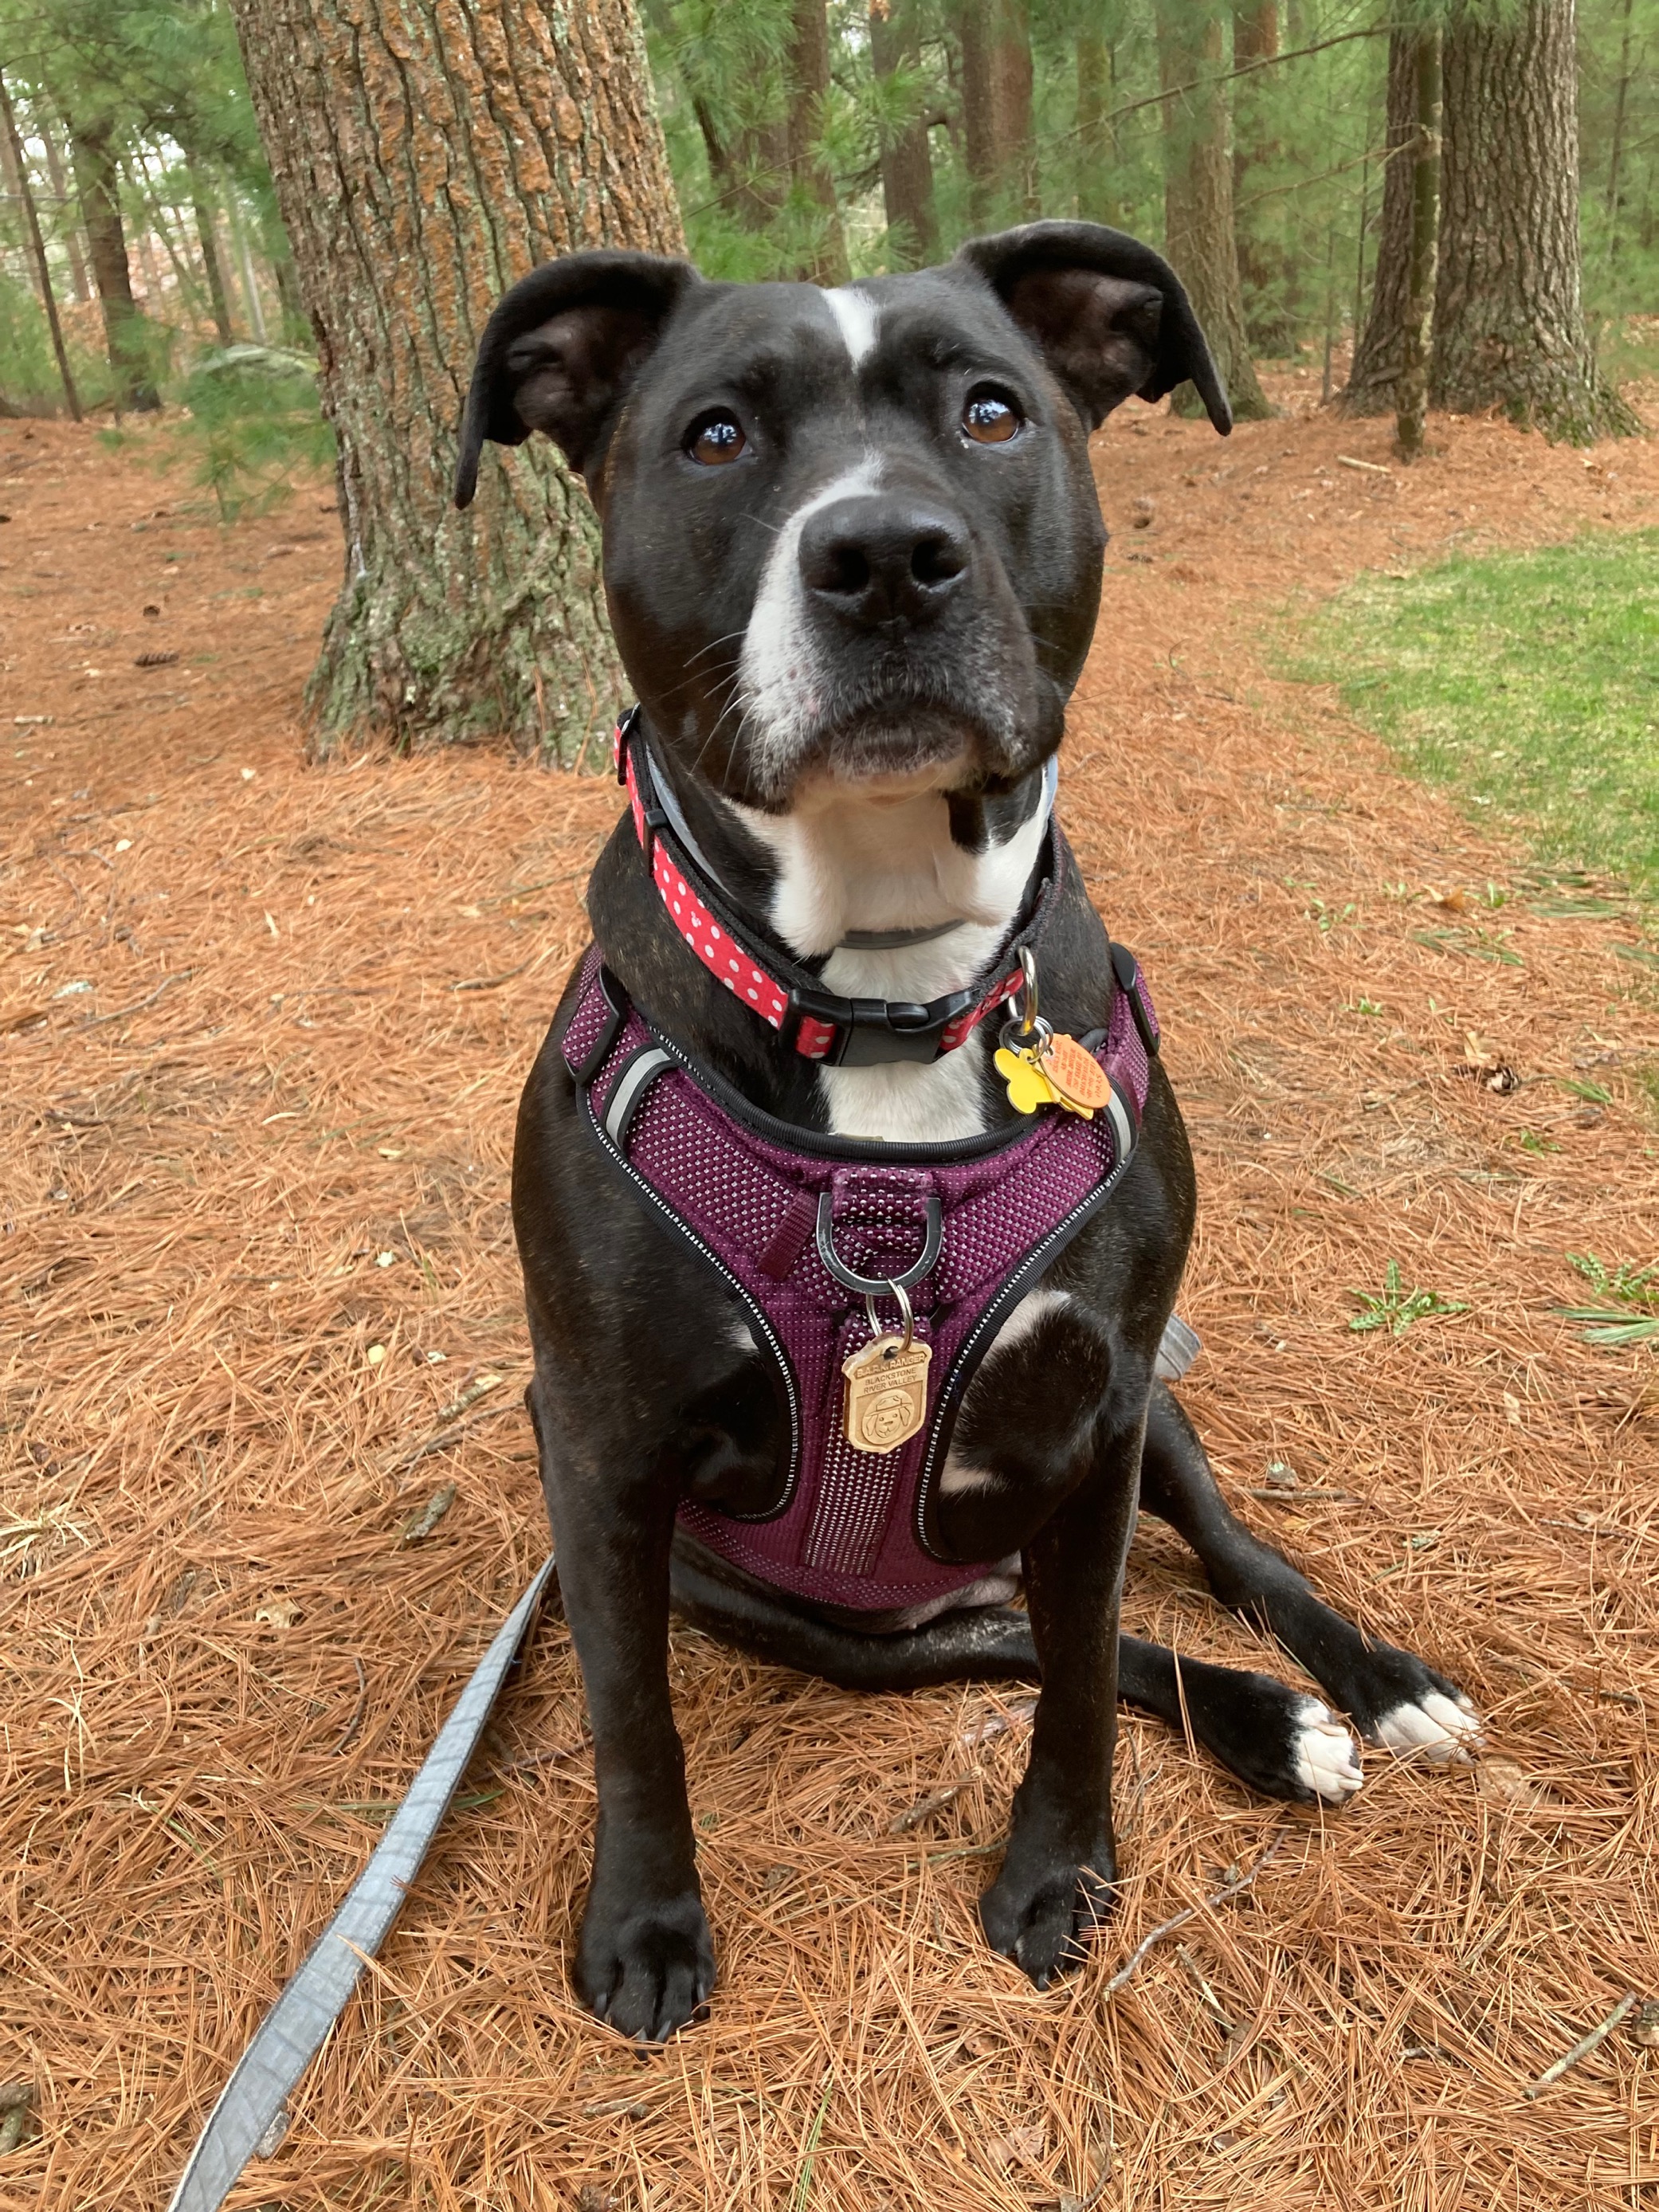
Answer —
252 2104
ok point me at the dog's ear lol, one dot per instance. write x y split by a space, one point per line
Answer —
561 351
1108 315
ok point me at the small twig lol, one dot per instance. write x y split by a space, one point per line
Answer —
138 1004
1232 1888
1373 467
935 1802
356 1720
1582 2048
1280 1496
442 1438
422 1522
491 982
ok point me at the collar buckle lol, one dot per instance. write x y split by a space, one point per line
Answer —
870 1032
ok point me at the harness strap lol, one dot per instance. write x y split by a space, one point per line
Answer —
818 1024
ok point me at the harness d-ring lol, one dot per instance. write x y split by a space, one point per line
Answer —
875 1286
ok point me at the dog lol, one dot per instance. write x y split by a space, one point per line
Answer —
844 969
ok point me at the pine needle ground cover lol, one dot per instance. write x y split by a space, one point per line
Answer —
1527 683
263 1027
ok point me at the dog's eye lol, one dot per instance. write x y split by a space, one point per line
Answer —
714 440
990 419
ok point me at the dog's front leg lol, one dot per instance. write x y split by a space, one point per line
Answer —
644 1961
1057 1877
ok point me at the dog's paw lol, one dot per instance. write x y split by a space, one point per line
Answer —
647 1968
1277 1740
1398 1701
1324 1756
1042 1910
1441 1726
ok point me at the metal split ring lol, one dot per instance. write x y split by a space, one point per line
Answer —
903 1297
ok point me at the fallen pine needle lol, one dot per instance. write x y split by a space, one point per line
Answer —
1583 2047
1232 1888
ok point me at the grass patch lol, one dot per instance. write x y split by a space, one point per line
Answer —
1527 684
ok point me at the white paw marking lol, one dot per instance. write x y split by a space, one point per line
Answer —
1327 1758
1441 1728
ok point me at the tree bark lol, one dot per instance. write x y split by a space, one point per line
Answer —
906 167
824 259
92 149
70 228
1509 322
1412 386
1380 351
1198 203
995 39
1094 76
1264 280
423 159
17 167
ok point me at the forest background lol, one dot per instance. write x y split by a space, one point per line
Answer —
806 139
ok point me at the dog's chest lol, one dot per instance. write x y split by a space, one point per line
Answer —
845 866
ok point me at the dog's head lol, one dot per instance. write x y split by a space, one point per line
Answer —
853 533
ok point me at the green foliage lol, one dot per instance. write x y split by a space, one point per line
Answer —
1396 1308
1629 1313
251 424
1527 683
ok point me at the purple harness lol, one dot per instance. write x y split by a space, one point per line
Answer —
799 1227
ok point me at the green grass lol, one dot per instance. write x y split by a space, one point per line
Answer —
1527 684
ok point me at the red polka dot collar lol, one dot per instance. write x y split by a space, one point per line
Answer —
816 1022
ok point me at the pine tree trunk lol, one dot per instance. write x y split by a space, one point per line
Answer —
1198 203
69 229
1263 278
1508 323
423 161
979 116
995 39
906 167
825 261
16 168
1093 80
92 148
208 239
1411 390
1380 350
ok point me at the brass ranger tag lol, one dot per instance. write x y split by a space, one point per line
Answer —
886 1399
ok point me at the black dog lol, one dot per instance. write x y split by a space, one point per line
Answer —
853 556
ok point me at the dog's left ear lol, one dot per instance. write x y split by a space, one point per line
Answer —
1108 315
560 352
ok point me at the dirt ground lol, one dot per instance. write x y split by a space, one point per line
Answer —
261 1030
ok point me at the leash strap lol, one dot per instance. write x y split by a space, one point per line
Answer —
253 2103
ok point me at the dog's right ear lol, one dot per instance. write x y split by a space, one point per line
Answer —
560 352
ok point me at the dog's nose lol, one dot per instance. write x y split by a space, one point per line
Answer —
881 561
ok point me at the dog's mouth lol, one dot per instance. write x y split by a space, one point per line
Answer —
900 735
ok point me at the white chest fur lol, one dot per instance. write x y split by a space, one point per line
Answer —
882 857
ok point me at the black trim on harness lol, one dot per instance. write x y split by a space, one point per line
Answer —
1126 969
616 1000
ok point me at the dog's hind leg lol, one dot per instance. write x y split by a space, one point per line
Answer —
1393 1698
1275 1739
